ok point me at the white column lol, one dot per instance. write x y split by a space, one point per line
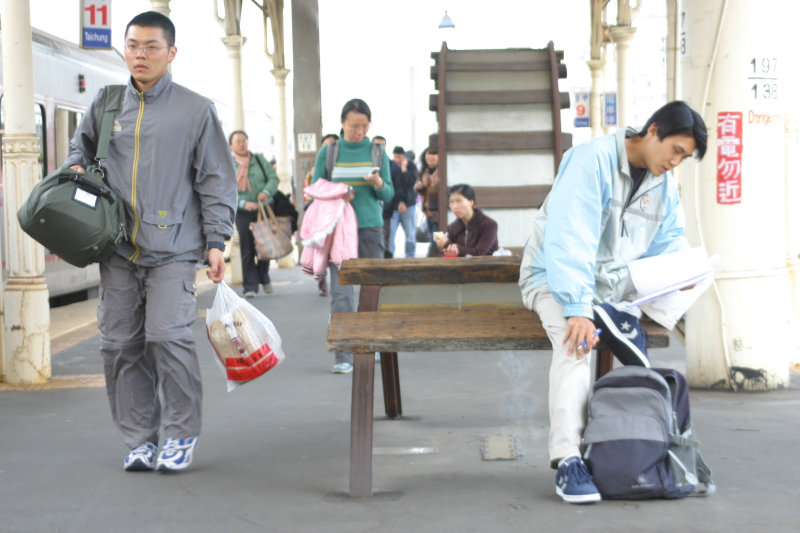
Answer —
792 133
738 334
597 68
234 45
160 6
282 155
26 313
621 36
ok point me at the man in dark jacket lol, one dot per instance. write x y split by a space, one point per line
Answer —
402 208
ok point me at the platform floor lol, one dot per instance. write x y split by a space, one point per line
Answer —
273 456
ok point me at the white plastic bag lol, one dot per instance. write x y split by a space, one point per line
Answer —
246 343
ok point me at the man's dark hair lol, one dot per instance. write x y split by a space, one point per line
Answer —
379 137
234 132
330 136
464 190
398 150
152 19
677 118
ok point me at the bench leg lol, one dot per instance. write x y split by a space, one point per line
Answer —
361 424
391 385
605 362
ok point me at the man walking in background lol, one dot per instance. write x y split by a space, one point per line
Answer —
402 209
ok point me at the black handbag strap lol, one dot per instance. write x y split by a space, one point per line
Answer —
112 103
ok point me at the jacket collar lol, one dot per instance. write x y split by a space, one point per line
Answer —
155 91
649 179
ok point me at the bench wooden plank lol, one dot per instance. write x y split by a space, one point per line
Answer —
441 270
434 331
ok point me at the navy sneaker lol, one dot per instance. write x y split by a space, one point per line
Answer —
622 334
141 459
176 454
574 482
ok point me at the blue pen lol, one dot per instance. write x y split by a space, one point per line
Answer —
582 346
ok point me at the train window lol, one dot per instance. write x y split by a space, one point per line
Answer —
67 121
39 126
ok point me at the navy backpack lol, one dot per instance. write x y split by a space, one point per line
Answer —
639 441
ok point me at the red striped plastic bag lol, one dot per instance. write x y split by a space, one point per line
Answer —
245 342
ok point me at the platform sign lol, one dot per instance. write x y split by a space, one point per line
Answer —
581 110
306 142
96 24
610 109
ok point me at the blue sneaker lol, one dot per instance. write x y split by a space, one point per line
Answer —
176 454
141 459
622 334
574 482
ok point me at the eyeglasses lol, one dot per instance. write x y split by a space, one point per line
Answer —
146 49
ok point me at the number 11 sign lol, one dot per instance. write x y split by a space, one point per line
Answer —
96 23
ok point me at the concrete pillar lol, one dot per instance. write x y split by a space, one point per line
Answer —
26 311
621 36
234 45
283 151
792 133
597 68
738 334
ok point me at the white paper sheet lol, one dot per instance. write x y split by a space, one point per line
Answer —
657 276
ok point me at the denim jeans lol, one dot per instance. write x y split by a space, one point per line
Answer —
370 244
408 220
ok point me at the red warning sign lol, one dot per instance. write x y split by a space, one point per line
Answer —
729 158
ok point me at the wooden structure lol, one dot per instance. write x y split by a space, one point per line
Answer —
430 305
499 115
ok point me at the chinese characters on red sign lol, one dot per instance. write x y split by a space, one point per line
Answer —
729 158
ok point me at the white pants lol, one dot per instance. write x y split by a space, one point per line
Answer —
570 378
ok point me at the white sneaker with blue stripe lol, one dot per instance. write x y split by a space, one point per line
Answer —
176 454
141 458
574 482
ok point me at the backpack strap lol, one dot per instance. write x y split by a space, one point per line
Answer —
330 158
112 102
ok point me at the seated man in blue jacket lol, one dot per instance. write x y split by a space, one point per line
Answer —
614 200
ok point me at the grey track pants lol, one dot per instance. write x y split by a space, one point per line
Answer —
145 317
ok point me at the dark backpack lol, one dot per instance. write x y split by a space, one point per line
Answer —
76 215
333 153
639 441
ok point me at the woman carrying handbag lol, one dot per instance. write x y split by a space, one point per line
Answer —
256 181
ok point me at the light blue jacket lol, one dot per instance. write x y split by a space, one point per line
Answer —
587 229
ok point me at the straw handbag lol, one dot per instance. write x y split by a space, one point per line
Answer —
272 235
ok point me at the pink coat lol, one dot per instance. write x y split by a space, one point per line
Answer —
330 228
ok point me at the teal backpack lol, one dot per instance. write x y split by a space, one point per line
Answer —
76 215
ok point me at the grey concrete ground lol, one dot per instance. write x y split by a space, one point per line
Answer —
273 455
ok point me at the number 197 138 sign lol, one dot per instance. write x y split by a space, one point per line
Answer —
96 23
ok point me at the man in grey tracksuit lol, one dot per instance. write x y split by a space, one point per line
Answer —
170 163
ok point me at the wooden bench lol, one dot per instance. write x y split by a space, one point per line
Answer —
427 305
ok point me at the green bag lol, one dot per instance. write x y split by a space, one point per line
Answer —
76 215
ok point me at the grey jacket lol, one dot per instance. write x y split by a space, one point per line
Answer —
171 164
